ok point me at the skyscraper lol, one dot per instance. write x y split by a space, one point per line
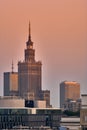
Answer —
69 90
28 77
10 84
29 73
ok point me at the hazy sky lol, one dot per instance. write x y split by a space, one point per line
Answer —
59 33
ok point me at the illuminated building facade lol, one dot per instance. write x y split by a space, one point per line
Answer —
69 90
10 83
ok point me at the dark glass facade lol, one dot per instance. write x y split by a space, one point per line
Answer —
15 117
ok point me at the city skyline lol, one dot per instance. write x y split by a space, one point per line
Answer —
58 29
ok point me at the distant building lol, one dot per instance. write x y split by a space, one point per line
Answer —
72 105
70 123
15 101
10 83
46 96
83 112
11 101
69 90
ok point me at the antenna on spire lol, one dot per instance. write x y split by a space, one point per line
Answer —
29 31
29 42
12 67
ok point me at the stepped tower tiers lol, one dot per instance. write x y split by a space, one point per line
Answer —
29 73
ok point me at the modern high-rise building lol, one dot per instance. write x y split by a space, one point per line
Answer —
10 84
69 90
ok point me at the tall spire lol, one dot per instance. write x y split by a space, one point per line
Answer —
29 51
29 38
12 67
29 42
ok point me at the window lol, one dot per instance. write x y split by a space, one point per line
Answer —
85 118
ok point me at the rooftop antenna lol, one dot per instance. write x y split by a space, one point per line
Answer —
12 67
29 31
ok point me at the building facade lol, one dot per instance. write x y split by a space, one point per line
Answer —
72 105
31 117
10 83
11 101
69 90
29 73
70 123
83 112
46 96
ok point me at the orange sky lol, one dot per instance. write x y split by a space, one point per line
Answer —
59 33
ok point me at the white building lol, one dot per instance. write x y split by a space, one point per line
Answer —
72 123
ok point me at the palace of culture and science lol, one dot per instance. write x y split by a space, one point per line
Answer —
25 104
26 83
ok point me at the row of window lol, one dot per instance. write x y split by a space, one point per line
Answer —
25 118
